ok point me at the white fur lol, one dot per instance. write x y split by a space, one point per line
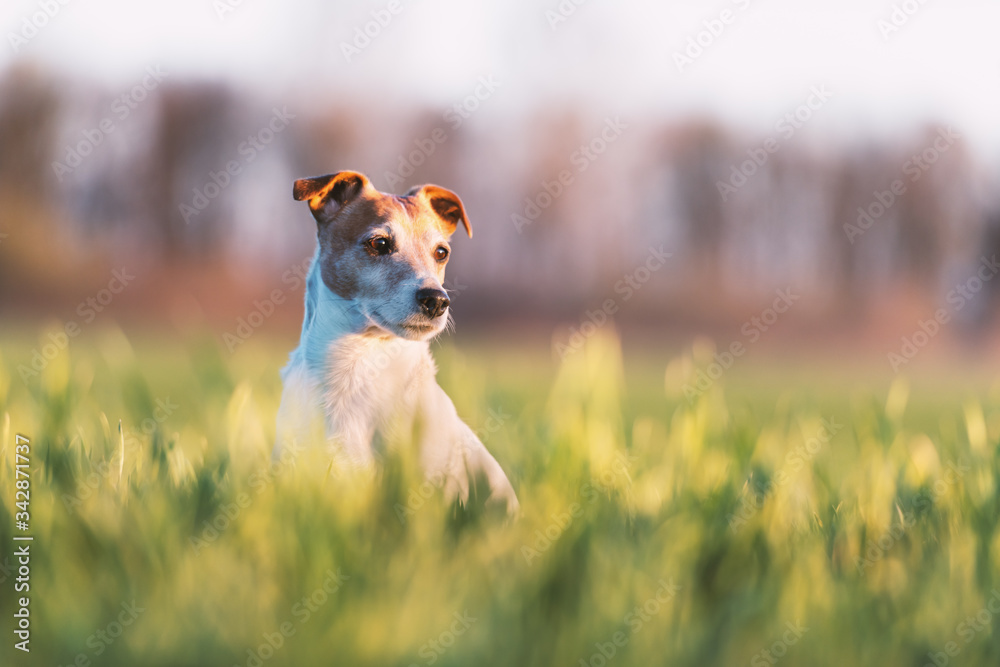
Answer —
353 382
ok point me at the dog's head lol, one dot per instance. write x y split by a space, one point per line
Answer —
385 253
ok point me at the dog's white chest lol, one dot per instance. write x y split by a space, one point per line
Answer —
371 381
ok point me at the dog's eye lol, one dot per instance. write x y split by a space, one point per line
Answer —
441 253
380 245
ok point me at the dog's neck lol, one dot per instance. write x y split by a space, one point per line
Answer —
330 319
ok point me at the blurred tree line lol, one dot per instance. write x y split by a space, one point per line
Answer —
741 215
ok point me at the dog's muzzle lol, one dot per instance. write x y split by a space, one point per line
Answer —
433 302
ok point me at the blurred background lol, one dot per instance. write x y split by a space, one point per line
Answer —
806 192
843 152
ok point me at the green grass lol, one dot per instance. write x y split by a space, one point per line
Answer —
735 510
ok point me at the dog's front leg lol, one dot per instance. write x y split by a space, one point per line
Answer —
349 437
452 454
481 464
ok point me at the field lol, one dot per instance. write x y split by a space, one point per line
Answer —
774 519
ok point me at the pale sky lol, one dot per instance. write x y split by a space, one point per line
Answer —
942 65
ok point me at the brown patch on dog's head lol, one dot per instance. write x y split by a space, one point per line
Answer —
328 194
445 204
379 250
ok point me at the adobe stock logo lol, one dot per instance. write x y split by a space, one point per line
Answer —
122 108
88 310
957 298
753 500
562 13
901 15
31 25
224 7
295 276
786 127
363 36
455 116
781 646
581 159
416 498
967 631
587 495
248 150
635 621
629 284
914 168
431 651
712 29
102 638
753 329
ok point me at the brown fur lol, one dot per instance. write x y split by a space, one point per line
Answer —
383 301
349 211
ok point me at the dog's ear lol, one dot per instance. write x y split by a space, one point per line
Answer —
328 194
445 204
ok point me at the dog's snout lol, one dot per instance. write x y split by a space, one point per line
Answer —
433 302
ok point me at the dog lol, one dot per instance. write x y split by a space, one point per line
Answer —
363 371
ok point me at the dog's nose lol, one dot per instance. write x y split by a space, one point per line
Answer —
433 302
